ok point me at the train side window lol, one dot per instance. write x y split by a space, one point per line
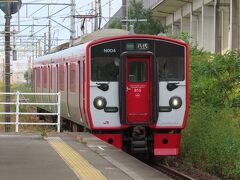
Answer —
61 77
73 77
38 78
44 77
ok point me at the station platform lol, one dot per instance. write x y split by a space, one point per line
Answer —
68 156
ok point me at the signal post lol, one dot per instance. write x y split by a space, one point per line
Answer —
8 8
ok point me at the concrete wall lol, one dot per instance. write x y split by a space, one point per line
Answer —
234 24
208 36
214 25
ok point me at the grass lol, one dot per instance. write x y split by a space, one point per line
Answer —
211 141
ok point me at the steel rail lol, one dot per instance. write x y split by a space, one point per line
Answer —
171 172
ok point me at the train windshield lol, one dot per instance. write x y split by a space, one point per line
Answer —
105 58
170 59
104 69
105 61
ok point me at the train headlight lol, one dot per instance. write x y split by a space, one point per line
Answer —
175 102
99 102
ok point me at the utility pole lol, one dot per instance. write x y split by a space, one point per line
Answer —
109 9
45 43
36 49
96 14
39 48
49 36
14 51
99 13
29 70
92 19
73 29
8 8
7 79
32 34
124 14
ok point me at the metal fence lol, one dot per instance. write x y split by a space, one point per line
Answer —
18 103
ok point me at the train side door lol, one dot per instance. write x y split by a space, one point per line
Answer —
138 90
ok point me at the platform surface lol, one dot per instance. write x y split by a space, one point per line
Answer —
70 156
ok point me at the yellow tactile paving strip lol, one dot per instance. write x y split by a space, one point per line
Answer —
81 167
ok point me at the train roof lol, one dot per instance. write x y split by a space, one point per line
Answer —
80 44
64 50
99 35
91 37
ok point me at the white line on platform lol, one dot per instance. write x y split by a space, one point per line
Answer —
101 148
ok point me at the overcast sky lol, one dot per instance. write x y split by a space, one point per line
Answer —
28 15
37 15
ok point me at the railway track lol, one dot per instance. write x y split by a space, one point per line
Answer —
171 172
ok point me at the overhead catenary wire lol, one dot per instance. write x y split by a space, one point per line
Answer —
55 27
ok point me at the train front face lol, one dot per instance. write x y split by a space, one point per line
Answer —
138 96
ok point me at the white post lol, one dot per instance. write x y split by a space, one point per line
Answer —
59 108
17 111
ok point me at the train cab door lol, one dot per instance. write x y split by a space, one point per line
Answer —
138 93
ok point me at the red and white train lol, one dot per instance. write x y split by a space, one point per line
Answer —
131 91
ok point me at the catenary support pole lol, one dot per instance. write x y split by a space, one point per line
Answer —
7 78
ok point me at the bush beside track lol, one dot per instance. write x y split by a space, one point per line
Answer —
211 140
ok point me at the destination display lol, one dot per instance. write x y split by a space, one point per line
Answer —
115 48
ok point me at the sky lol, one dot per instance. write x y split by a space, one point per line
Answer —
37 15
28 15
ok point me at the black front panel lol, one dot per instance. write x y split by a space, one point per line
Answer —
105 58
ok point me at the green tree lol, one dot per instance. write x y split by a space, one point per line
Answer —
151 26
116 24
28 76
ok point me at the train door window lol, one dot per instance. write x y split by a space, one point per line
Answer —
61 77
73 77
137 71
